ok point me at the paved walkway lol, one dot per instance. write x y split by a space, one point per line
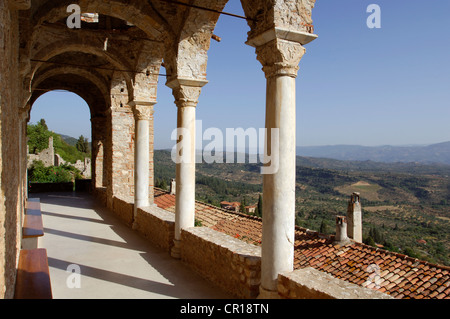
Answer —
114 261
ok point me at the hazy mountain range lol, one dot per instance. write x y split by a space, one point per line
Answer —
435 153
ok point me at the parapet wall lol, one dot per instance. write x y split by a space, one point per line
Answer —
123 208
157 225
309 283
232 264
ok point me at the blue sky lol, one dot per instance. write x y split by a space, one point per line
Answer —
355 86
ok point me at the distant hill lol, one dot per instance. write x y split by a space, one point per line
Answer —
405 202
72 141
435 153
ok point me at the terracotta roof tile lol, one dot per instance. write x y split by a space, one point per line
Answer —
400 276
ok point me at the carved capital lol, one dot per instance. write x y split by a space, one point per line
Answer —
142 110
20 4
186 91
280 57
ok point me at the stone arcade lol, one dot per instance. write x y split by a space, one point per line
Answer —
113 63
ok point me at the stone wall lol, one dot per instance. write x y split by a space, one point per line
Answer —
157 225
11 190
124 209
46 156
231 264
100 195
309 283
49 158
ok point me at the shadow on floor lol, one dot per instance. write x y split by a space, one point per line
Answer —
174 271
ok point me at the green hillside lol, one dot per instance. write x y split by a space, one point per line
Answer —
406 206
38 135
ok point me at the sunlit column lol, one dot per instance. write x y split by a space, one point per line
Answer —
280 59
186 93
142 113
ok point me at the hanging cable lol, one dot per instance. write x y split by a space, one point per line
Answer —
207 9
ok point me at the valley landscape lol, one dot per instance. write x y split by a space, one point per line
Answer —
406 205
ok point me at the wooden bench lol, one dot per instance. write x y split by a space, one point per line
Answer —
33 227
33 277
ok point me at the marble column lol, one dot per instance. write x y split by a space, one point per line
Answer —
186 93
280 59
142 113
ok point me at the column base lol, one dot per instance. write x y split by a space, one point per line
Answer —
176 250
267 294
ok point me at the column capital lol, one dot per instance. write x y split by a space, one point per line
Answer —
142 110
280 57
186 91
280 50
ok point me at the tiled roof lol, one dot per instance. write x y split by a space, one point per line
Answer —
398 275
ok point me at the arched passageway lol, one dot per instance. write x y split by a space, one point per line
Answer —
114 64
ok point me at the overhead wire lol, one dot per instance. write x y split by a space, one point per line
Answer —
207 9
96 67
148 73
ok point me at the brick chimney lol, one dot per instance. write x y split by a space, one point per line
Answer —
341 231
173 186
354 218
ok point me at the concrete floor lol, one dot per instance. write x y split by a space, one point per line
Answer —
113 260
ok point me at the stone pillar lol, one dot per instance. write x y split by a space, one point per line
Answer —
280 59
98 124
354 217
120 154
24 117
186 93
142 113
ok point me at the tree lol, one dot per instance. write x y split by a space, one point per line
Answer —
243 204
369 241
82 144
259 207
43 124
323 227
38 173
38 136
163 184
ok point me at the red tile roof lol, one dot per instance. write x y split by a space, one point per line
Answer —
398 275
